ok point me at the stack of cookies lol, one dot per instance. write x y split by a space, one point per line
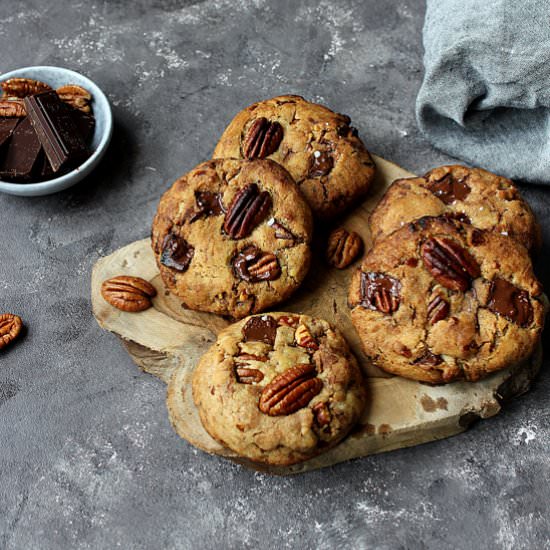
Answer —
446 293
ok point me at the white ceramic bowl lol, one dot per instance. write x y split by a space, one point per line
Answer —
56 77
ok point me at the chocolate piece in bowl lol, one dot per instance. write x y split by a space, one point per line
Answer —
22 154
232 237
277 388
55 127
439 301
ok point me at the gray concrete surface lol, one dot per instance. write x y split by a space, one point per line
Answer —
87 456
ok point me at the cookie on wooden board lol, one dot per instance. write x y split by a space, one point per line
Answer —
319 148
472 195
232 237
440 300
278 388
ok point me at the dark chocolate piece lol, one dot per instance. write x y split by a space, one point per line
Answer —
85 123
22 153
511 302
55 127
7 126
449 189
177 253
260 329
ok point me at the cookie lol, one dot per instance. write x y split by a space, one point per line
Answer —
318 147
439 300
232 237
279 388
472 195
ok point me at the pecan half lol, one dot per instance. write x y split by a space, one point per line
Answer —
380 292
248 209
128 293
247 375
450 264
177 253
76 96
343 248
254 265
448 188
290 391
10 327
262 139
23 87
281 232
304 338
511 302
438 309
12 107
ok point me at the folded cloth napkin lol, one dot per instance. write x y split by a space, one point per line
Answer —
486 91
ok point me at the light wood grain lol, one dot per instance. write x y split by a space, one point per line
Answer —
167 340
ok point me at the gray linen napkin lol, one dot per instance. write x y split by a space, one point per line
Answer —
486 91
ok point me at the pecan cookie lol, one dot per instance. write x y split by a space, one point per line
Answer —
317 146
472 195
439 300
232 237
278 388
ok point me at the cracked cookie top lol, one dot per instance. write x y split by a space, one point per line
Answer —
440 300
472 195
279 388
319 148
232 237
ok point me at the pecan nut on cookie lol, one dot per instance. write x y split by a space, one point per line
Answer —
319 148
232 237
278 388
439 300
471 195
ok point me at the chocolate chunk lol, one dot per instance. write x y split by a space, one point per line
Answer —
449 189
380 292
321 164
55 127
22 153
177 253
260 329
511 302
429 360
7 126
85 123
208 204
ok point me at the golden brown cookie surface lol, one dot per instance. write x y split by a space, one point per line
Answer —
232 237
279 388
476 196
318 147
439 300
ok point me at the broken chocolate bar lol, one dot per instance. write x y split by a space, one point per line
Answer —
55 127
22 153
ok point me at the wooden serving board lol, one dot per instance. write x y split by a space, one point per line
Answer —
167 341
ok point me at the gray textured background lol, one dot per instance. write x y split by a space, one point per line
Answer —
87 456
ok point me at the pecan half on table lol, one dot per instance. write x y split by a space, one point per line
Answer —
10 328
127 293
343 248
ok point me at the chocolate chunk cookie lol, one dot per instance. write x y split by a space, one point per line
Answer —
472 195
278 388
317 146
439 300
232 237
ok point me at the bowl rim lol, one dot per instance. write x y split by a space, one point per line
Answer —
83 169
